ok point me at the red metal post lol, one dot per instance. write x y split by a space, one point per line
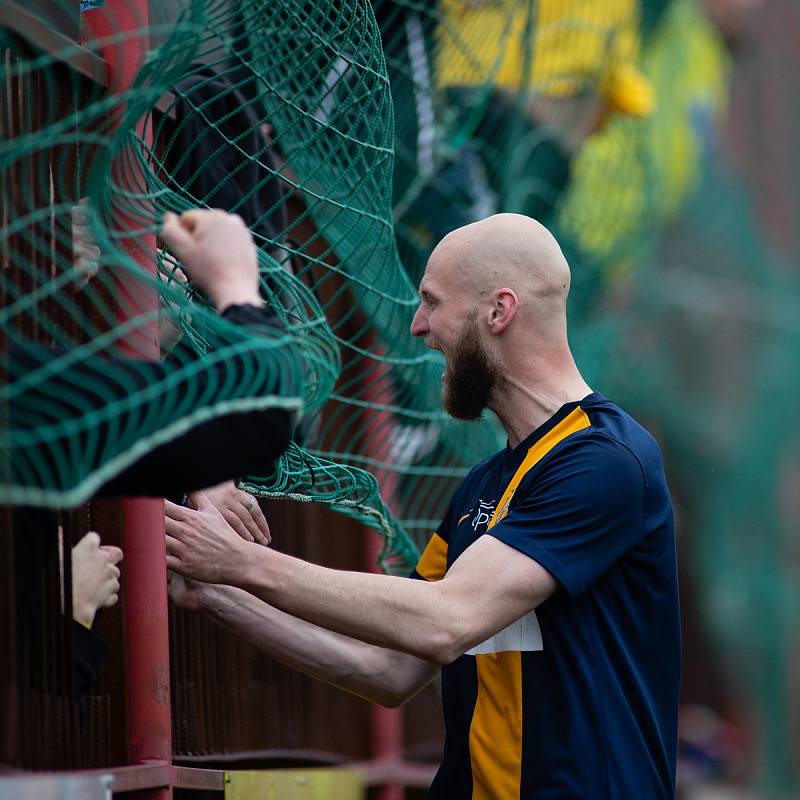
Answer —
119 31
149 716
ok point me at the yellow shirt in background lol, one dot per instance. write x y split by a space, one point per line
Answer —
558 48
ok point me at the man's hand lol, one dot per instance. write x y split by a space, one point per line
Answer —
186 593
239 509
217 253
95 578
201 545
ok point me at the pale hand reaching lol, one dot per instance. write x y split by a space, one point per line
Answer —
218 254
95 578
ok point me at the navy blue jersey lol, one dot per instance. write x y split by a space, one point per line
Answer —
579 698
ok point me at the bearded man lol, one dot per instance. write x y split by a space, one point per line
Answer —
548 596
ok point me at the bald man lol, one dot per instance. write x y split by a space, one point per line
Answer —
548 595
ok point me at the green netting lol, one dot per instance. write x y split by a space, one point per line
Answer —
351 137
283 113
75 180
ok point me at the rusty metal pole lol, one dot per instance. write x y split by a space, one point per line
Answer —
120 33
149 716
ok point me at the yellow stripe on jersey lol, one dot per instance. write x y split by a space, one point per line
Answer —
432 564
495 736
575 421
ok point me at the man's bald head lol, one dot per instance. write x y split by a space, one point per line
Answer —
508 249
514 251
493 301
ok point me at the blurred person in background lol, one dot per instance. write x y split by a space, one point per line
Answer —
557 71
519 90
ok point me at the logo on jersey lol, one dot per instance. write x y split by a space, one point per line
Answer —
484 514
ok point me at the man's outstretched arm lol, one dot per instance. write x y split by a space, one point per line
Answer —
383 676
489 586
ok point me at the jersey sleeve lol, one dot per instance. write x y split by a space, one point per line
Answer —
580 513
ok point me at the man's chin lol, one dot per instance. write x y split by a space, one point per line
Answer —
463 415
462 411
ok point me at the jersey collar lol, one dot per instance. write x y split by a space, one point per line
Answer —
514 456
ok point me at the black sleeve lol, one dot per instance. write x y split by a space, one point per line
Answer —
88 650
225 447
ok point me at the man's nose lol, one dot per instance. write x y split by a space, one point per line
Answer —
419 325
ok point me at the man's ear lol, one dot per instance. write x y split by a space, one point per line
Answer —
505 304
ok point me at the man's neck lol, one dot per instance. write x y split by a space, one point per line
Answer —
522 406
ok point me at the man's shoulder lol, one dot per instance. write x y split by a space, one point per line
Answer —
611 453
612 425
592 457
611 449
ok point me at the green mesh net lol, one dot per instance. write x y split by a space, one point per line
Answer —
85 290
351 137
284 115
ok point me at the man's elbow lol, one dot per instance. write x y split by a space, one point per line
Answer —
446 645
398 694
402 677
389 691
392 699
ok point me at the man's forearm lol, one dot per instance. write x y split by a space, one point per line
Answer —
436 621
391 612
371 672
